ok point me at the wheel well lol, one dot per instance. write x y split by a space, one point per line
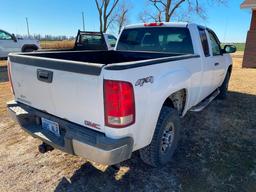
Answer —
230 69
29 46
177 100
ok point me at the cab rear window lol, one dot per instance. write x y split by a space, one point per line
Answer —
91 39
157 39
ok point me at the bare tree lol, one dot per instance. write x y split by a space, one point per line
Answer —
166 9
121 17
105 9
146 16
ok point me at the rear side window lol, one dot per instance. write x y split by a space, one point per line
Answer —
157 39
216 49
204 42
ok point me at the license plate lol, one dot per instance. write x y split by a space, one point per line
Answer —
51 126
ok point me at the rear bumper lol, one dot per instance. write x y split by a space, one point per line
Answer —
74 139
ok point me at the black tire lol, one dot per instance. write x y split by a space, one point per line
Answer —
224 87
157 153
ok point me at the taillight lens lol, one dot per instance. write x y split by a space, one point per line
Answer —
119 104
9 67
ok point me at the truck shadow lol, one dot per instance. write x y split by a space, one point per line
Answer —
217 152
3 74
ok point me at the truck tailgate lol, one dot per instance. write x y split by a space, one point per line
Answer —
66 89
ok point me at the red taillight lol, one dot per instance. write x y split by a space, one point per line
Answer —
153 24
119 104
9 67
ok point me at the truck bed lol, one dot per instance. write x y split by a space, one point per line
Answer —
100 57
92 62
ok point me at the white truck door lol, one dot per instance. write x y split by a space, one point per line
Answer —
7 44
207 79
217 59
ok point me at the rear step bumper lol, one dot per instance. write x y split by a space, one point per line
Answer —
74 139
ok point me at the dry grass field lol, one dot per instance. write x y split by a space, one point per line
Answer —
65 44
216 153
2 63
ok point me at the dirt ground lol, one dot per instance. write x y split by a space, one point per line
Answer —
216 153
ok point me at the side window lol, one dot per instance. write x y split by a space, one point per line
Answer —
112 40
204 42
5 36
215 44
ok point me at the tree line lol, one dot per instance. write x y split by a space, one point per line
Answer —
46 37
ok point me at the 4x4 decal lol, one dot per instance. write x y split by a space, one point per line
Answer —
140 82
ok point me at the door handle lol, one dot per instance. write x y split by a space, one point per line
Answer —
44 75
216 64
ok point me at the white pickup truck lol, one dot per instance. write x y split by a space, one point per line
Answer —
9 43
104 105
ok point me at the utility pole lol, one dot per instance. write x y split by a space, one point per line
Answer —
27 27
83 21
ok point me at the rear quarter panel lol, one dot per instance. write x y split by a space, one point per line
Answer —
169 77
24 42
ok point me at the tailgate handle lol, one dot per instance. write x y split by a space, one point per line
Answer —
44 75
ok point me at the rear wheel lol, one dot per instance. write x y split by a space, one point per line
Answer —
165 139
224 87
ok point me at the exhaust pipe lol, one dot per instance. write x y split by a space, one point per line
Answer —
43 148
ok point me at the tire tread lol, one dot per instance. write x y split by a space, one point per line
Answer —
150 154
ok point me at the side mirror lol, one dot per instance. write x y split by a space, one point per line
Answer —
229 49
14 38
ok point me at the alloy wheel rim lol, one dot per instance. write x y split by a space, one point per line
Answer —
167 138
